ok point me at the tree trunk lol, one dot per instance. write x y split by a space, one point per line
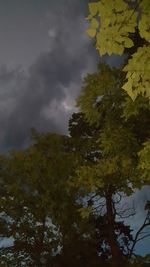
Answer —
117 256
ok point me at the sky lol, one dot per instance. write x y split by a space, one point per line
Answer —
44 55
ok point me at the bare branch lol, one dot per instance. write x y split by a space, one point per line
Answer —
145 236
137 239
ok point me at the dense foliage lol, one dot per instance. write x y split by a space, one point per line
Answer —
121 26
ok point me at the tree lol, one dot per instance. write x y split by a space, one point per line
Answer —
114 168
40 210
122 27
35 198
88 135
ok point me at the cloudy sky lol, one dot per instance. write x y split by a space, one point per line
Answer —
44 55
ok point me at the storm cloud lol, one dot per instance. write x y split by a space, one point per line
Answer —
43 96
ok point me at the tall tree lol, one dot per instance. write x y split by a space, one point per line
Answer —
114 167
123 28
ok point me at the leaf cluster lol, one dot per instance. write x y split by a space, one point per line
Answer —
115 26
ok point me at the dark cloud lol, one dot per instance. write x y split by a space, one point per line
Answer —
24 25
12 87
44 97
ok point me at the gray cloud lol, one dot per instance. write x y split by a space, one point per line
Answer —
44 97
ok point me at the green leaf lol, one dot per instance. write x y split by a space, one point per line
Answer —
85 212
91 32
93 8
94 23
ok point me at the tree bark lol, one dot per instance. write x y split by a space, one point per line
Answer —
117 255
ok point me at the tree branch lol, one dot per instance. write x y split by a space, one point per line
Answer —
137 239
